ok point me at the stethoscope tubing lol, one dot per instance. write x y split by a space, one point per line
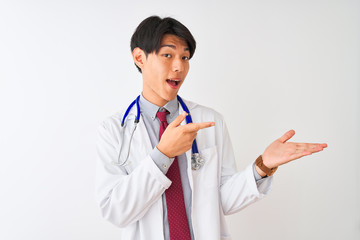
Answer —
188 120
137 119
197 161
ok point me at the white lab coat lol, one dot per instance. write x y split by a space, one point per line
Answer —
130 196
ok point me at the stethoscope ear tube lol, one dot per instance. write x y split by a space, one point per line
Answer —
118 163
136 121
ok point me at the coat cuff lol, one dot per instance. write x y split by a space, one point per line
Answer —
156 172
261 186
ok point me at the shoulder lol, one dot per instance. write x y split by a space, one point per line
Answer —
112 122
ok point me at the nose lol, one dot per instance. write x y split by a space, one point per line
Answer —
178 65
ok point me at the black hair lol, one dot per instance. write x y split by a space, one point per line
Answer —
150 31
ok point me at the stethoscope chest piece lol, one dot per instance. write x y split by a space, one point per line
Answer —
196 161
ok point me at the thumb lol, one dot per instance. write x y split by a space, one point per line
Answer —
178 120
287 136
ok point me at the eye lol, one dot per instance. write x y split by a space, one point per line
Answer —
167 55
185 58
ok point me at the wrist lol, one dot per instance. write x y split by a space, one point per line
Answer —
260 172
263 168
163 151
266 162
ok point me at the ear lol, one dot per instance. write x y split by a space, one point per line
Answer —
139 57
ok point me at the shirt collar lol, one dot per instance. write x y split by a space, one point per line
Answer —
151 109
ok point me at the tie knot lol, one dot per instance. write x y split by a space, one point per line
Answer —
162 115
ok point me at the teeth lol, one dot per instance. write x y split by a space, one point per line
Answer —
173 82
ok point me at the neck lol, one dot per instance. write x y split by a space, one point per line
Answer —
154 100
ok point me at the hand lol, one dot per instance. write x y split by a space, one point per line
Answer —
280 151
178 139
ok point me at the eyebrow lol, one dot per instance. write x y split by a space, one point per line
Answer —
173 47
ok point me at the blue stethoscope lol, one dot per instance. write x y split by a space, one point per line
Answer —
196 161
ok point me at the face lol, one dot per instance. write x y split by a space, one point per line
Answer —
164 72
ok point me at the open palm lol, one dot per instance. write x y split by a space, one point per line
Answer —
280 151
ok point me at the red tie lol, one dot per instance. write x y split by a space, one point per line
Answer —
178 224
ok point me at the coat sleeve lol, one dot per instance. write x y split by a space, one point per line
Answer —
124 198
238 189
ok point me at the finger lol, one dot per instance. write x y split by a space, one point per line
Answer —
313 147
194 127
178 120
302 146
299 155
318 145
287 136
308 151
316 148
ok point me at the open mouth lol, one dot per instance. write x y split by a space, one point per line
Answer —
173 83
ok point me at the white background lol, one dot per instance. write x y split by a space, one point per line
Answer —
267 66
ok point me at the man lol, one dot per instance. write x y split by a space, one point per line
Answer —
153 190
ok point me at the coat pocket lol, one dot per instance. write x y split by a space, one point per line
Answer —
207 175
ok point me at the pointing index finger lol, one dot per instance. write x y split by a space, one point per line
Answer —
194 127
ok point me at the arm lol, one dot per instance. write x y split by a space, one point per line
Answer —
124 198
237 189
240 190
